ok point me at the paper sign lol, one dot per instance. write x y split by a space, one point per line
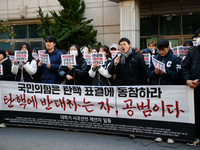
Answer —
35 55
158 64
41 51
44 58
88 59
21 55
147 58
12 58
1 69
68 59
98 57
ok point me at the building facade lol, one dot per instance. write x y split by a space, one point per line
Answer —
139 20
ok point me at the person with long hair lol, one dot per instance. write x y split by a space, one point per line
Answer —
25 69
74 75
100 74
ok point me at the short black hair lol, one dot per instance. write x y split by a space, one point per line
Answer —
51 38
188 42
3 52
124 39
163 43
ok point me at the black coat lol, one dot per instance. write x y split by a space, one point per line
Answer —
7 74
191 65
173 71
79 73
134 71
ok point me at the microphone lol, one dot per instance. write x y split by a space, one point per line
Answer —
119 55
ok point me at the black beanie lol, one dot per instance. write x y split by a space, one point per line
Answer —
124 39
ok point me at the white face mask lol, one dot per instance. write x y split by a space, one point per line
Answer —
74 52
198 41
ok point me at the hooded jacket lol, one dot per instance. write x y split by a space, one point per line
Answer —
7 74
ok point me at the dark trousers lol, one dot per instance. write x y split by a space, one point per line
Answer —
197 111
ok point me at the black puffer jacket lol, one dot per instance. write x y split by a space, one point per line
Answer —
191 65
7 74
79 73
134 71
173 71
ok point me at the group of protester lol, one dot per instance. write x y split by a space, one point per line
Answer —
126 68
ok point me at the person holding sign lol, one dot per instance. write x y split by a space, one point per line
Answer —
74 75
49 70
99 73
129 67
24 65
165 69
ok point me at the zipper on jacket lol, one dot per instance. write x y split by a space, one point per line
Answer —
130 66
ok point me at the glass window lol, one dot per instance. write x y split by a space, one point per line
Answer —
18 45
174 42
170 25
33 32
144 42
148 26
20 31
5 46
36 44
4 36
190 23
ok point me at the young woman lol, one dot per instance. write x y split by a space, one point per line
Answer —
74 75
24 70
100 74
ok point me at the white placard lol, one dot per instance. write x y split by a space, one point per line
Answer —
1 69
35 55
147 58
68 59
21 55
12 58
44 58
88 59
98 57
41 51
158 64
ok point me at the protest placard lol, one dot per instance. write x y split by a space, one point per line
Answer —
158 64
147 58
98 57
21 55
88 59
41 51
12 58
1 69
44 58
68 59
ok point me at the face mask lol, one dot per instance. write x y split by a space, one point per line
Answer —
74 52
198 41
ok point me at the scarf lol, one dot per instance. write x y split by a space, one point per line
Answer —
125 55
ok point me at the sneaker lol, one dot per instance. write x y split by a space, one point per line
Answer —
170 141
194 143
158 139
131 136
2 125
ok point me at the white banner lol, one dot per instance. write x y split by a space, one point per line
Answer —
68 59
160 103
21 55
